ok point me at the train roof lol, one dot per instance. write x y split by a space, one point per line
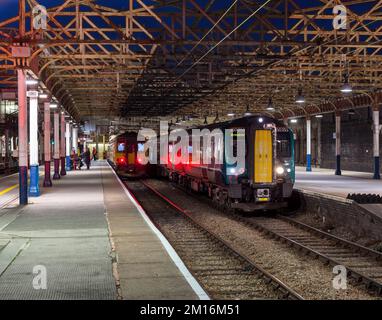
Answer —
244 121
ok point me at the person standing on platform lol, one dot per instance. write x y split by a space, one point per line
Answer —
86 157
94 154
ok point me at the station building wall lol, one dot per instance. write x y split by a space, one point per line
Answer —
356 138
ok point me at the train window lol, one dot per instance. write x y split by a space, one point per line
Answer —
121 147
141 147
284 145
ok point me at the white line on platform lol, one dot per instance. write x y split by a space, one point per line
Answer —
170 250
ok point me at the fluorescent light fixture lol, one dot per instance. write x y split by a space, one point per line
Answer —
53 106
294 121
270 105
300 98
319 116
43 96
31 82
230 114
247 112
346 88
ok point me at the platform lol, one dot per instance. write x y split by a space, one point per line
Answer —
93 243
325 181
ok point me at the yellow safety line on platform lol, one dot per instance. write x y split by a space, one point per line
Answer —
9 189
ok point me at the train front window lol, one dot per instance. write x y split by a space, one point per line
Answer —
284 145
121 147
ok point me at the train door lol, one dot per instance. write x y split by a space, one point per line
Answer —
263 156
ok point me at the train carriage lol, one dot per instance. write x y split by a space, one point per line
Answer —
264 182
123 156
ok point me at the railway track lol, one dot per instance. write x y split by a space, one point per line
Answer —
363 265
220 269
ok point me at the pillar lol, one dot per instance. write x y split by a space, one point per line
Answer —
62 144
376 131
23 137
56 156
47 153
308 144
75 139
34 189
104 147
338 144
68 146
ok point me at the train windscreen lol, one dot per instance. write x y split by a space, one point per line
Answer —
284 145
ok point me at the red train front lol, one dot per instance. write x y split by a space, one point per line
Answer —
123 156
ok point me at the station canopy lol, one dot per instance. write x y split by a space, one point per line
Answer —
192 58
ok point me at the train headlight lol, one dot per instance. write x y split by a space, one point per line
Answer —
280 170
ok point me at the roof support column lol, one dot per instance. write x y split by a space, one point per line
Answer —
338 144
308 144
47 145
34 189
376 149
68 144
56 175
23 137
62 144
75 139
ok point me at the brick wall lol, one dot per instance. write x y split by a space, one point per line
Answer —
342 213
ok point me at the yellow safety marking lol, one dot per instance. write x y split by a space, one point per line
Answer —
9 189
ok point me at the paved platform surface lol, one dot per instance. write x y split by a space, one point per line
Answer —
65 234
325 181
145 268
8 188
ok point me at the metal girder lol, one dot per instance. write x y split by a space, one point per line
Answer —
154 58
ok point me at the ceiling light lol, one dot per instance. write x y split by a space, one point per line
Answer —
270 105
319 116
230 114
53 105
43 96
247 112
294 121
346 88
300 98
261 120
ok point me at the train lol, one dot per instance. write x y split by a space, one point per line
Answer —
123 156
264 181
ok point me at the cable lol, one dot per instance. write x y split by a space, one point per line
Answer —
222 40
209 31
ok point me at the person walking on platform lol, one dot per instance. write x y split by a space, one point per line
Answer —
86 157
94 154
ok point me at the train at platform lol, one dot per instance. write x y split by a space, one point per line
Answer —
123 156
264 181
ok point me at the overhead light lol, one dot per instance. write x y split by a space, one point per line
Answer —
300 98
31 82
294 121
270 105
230 114
43 96
346 88
261 120
247 112
53 106
319 116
